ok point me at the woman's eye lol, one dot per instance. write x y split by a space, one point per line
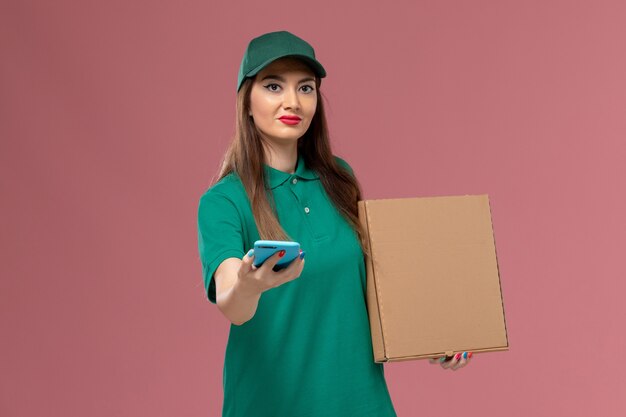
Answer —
272 87
307 88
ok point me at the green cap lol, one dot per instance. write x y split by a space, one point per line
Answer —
261 51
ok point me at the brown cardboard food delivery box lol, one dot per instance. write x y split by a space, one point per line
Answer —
433 285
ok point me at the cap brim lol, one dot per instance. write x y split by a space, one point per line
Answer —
317 68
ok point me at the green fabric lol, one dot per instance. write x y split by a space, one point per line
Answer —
307 352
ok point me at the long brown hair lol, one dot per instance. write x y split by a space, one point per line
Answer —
245 156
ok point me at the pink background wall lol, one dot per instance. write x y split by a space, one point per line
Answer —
113 118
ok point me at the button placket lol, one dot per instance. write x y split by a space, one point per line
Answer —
299 198
299 192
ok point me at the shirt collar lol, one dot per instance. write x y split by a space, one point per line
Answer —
275 177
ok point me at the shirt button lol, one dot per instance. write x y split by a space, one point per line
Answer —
306 210
295 180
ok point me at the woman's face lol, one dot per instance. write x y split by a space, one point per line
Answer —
283 100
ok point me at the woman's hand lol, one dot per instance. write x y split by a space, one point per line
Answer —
453 362
263 278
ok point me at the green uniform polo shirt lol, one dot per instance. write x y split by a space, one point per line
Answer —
307 352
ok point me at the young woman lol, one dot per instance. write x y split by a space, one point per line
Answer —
299 343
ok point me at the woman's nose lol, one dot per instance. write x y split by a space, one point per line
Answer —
291 99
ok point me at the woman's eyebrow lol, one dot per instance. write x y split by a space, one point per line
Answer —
274 77
279 78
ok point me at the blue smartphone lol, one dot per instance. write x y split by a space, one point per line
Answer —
263 249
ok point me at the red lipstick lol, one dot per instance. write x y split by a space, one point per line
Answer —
290 120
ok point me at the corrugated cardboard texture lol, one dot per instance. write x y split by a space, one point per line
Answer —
433 285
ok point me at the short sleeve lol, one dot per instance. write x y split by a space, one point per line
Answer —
220 236
344 165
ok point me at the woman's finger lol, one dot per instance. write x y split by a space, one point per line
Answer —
456 361
271 262
468 358
461 361
293 265
447 362
444 361
436 361
450 364
247 261
293 270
